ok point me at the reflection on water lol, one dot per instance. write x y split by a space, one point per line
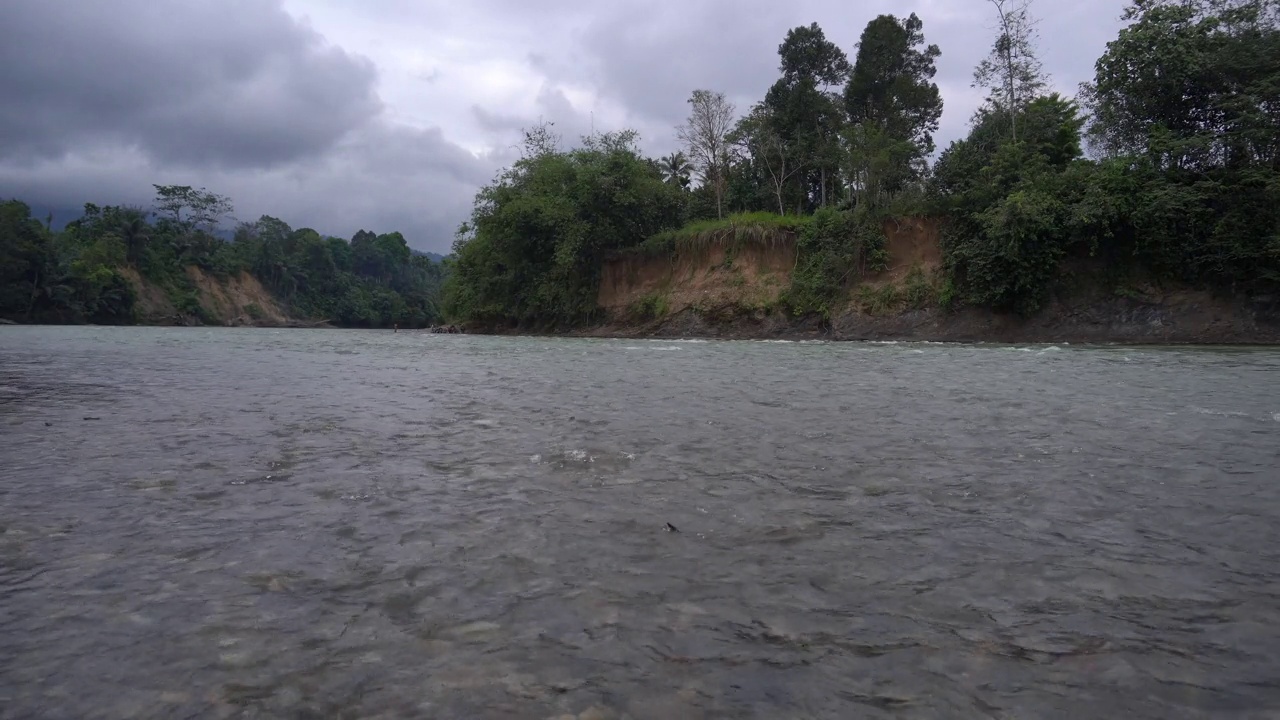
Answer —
254 523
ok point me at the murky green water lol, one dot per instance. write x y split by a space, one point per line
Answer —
253 523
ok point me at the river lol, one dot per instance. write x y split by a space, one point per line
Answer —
219 523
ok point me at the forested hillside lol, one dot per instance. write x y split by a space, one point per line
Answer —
165 264
1164 170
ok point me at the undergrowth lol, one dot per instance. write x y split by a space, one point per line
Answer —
833 251
761 228
649 307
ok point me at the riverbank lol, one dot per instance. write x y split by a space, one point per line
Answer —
737 290
1185 317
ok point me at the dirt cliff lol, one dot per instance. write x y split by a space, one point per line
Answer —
731 290
236 300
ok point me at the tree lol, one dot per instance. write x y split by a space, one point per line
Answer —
202 208
806 115
1013 207
1191 84
1012 73
893 106
532 251
1186 102
26 260
756 136
710 120
807 56
135 231
676 169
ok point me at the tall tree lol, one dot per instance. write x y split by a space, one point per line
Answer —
191 208
710 120
893 105
804 112
1012 73
135 232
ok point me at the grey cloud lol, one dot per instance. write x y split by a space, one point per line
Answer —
552 106
650 56
235 83
381 177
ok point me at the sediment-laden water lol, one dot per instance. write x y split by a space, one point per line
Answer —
338 524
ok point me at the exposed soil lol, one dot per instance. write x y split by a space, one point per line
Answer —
715 292
239 300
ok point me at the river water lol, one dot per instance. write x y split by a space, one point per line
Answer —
215 523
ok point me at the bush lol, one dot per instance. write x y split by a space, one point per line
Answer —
917 291
834 249
878 300
649 307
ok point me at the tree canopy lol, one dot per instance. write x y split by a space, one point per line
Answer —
81 273
532 251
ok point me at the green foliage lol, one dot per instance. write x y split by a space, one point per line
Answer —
1184 106
76 275
533 249
760 228
47 278
833 250
189 208
1011 205
878 299
650 307
893 107
917 291
26 258
186 300
802 118
947 294
373 281
1189 185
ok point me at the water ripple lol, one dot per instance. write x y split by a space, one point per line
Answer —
360 524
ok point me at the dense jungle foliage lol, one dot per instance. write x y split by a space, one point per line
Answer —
1180 184
80 273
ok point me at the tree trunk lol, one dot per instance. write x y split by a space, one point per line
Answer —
719 196
35 290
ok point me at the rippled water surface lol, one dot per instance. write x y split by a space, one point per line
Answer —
338 524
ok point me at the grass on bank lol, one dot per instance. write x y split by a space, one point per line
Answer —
761 228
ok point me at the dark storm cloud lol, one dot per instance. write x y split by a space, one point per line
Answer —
235 83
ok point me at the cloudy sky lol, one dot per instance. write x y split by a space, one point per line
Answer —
389 114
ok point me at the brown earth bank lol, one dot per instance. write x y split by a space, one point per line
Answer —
1184 317
733 291
236 301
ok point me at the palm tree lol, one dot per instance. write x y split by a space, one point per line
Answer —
677 169
135 231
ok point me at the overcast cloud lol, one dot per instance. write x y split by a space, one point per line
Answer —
390 114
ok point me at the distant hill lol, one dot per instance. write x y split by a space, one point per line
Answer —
63 215
433 257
